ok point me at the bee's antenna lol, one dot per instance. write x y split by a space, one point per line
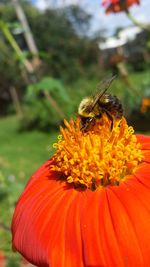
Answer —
104 85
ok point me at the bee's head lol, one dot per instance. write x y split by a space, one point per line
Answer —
84 109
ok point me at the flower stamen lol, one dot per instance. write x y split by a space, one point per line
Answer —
98 157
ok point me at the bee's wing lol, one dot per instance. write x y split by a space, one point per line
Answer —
104 85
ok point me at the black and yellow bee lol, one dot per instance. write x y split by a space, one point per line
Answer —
92 108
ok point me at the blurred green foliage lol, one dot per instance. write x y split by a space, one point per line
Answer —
65 50
39 112
68 55
21 154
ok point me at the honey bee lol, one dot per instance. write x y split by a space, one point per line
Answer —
92 108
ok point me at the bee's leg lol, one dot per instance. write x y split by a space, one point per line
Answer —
87 123
83 123
110 117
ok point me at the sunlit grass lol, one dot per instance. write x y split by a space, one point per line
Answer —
21 153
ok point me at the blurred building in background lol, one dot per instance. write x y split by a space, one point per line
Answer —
129 44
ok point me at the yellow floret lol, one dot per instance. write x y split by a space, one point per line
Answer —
98 157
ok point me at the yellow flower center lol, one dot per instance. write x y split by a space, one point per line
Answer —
97 157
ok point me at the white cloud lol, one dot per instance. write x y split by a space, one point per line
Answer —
43 4
68 2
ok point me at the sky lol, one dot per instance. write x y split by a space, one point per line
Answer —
100 19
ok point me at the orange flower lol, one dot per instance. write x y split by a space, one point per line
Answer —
89 205
118 5
2 259
145 104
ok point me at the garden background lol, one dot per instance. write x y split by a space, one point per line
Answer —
52 54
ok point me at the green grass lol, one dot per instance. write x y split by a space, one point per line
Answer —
21 153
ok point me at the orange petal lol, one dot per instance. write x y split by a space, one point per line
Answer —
40 222
99 234
144 140
146 156
134 221
72 236
113 8
56 225
143 174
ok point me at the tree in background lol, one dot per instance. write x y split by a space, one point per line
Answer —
65 52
